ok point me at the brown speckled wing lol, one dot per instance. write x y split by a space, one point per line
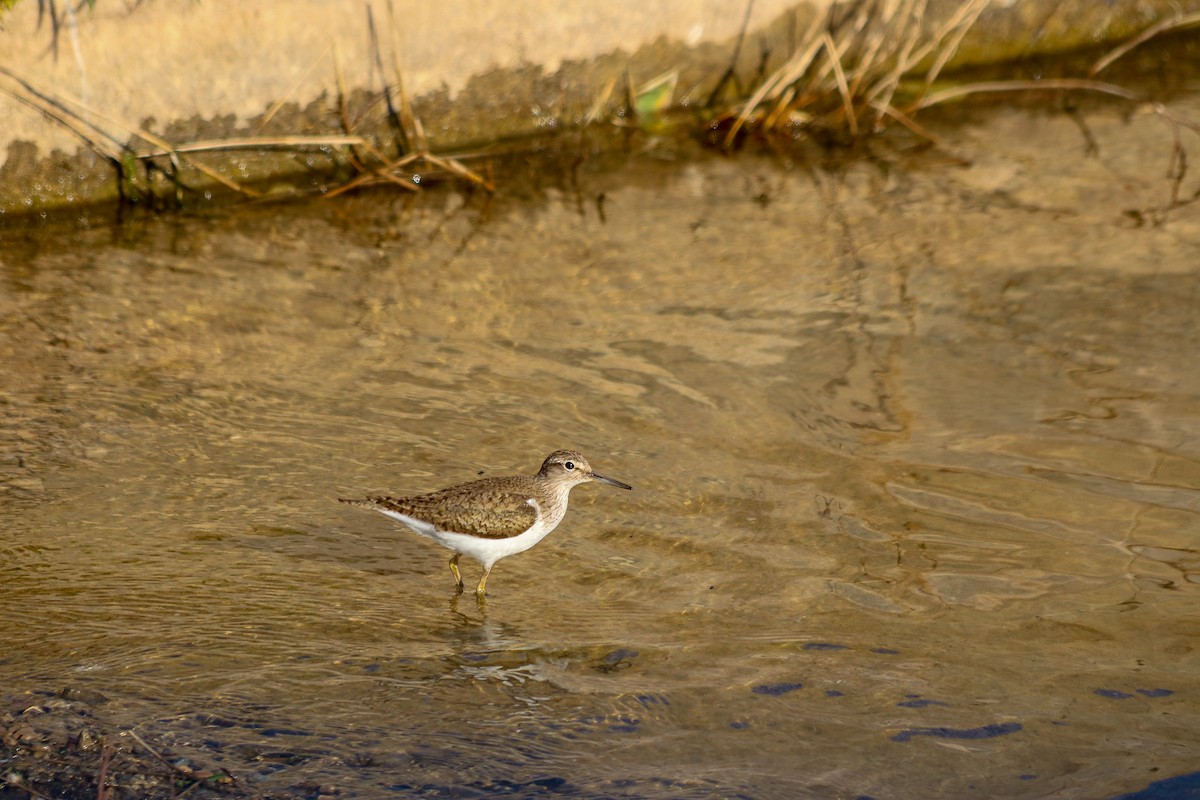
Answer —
495 508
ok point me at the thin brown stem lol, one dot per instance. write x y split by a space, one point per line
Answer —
843 89
1084 84
1180 21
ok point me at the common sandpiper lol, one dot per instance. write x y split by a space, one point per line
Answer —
492 518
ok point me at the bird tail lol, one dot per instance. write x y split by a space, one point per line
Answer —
368 503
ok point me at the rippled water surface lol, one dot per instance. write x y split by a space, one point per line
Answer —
914 445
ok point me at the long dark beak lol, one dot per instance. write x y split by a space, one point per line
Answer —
596 476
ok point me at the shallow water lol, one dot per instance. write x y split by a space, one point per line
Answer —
913 444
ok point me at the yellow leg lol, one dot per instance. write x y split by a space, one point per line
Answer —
479 593
458 584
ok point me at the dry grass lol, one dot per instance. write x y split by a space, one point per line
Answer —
866 62
138 155
849 64
862 63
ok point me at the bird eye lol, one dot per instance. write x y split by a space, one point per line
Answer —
569 465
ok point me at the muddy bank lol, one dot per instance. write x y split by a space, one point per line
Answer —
223 94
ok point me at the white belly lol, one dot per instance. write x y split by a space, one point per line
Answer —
485 551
